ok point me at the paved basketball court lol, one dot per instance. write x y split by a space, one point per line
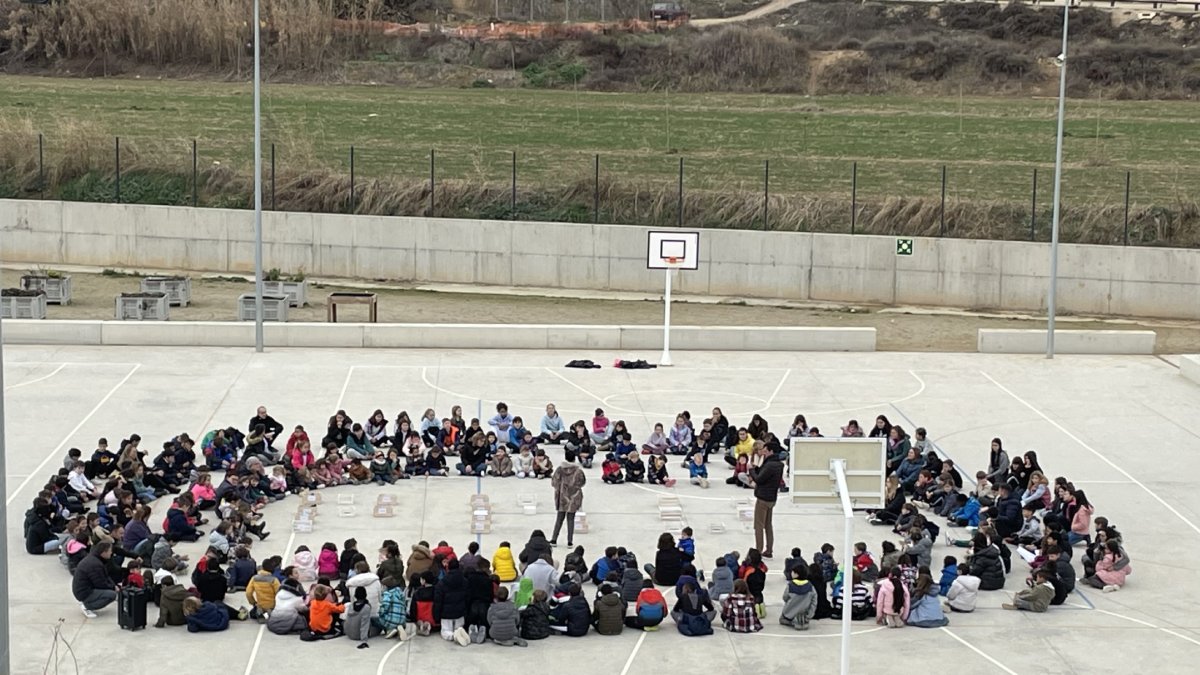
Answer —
1121 428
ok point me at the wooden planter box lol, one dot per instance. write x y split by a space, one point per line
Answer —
177 289
57 289
23 306
275 307
143 307
296 291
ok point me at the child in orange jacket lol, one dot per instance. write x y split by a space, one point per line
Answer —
321 612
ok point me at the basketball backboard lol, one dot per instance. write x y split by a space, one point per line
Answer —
662 245
812 479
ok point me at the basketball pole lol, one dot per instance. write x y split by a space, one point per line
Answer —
665 360
839 470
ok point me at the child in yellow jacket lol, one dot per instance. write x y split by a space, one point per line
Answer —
261 590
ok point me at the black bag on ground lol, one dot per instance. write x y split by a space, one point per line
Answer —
131 608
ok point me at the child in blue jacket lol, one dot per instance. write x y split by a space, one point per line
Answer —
949 574
967 513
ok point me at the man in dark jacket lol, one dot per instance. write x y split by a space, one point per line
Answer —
573 617
767 479
271 428
450 604
92 586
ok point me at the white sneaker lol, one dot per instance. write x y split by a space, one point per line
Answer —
87 612
704 483
391 634
1111 588
402 633
462 637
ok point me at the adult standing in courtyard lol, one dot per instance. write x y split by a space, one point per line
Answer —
568 481
767 478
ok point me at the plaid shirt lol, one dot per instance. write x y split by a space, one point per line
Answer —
393 608
739 614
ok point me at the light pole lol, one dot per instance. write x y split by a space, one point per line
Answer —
1058 152
5 658
258 236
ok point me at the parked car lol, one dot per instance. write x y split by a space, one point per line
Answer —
669 11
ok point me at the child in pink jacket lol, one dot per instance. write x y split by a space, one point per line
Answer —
892 601
327 562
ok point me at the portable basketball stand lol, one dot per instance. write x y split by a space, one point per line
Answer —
670 250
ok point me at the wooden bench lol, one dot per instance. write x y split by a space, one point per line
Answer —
368 299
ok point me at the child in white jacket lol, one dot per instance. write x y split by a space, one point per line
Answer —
963 592
523 462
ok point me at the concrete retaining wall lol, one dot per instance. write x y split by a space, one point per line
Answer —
438 336
1189 367
1006 341
1153 282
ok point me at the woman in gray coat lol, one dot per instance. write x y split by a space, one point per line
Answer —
568 481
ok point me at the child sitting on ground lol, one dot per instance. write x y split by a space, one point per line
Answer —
1037 597
698 470
611 470
501 465
523 461
657 443
542 466
635 468
687 546
949 574
657 474
322 611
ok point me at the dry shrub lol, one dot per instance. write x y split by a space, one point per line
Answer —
297 34
747 57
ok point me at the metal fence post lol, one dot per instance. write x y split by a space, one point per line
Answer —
766 188
596 192
1127 179
118 163
1033 209
942 212
352 204
513 204
679 214
195 175
853 196
432 165
41 168
272 176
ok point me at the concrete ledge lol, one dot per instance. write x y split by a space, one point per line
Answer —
437 336
1189 367
1013 341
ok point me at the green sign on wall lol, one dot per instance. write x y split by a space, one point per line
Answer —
904 246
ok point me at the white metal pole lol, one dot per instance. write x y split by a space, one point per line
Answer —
1051 297
666 353
4 613
258 235
839 469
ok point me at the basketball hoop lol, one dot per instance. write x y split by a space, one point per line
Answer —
671 260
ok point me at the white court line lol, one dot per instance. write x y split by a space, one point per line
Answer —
1150 625
779 386
346 385
975 649
54 453
632 654
1180 636
1102 482
40 379
672 494
1092 450
386 656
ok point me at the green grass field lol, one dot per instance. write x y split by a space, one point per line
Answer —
990 146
